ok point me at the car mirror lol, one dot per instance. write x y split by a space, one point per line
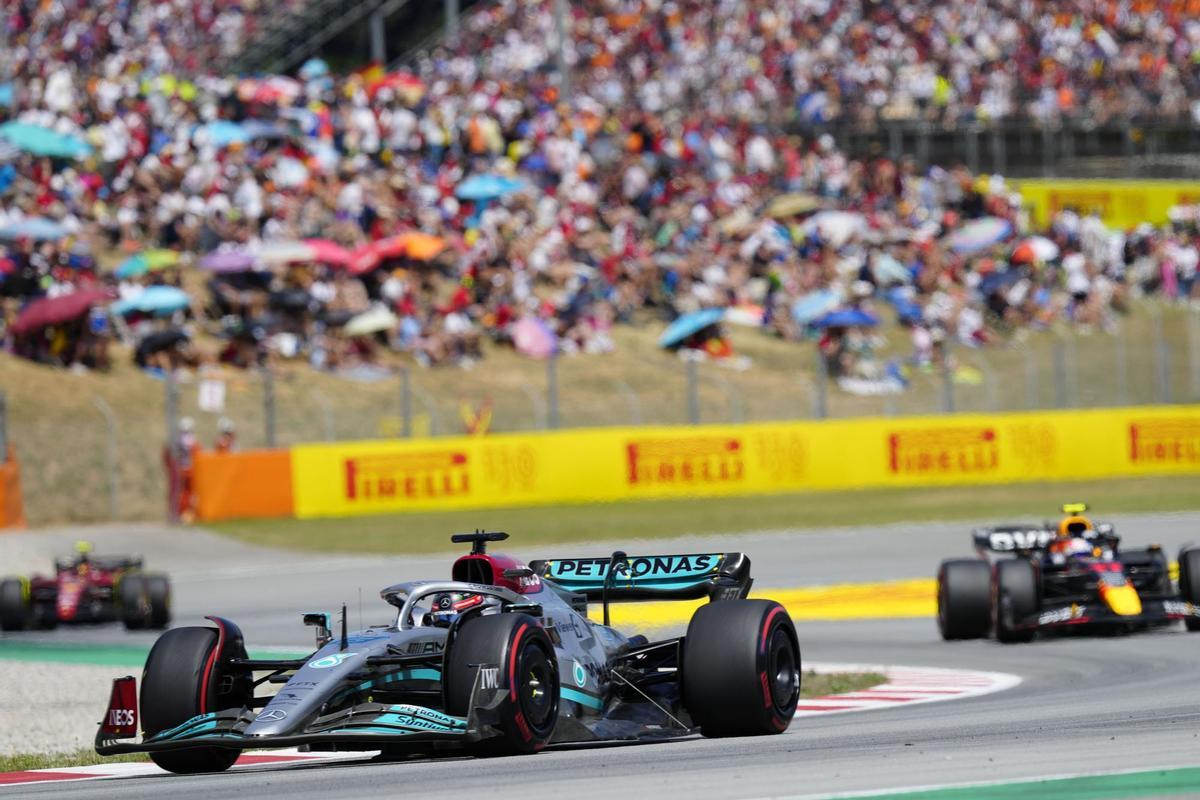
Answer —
322 621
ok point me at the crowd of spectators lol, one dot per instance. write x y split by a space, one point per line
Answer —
664 183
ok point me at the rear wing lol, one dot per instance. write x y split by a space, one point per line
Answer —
717 576
1028 538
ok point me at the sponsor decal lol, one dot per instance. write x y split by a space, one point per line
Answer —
1165 441
949 451
1099 201
489 678
271 715
430 647
1074 611
334 660
1179 608
408 476
693 460
121 717
1019 540
579 674
656 566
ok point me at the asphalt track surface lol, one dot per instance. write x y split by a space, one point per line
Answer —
1085 703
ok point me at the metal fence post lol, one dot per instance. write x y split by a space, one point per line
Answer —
3 426
1122 368
820 379
110 422
1031 379
269 405
451 9
552 389
693 397
1162 361
947 379
172 411
405 403
1193 323
1072 364
1060 375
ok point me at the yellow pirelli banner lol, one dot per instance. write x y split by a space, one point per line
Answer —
607 464
1121 204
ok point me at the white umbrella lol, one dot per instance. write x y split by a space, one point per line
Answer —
284 251
836 228
373 321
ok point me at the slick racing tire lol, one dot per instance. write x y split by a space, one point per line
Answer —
158 598
1189 582
174 690
15 611
1014 597
741 668
964 599
518 647
132 605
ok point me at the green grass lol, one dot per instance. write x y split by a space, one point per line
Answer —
816 684
60 436
430 532
85 757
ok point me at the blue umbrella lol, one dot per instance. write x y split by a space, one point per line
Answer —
6 94
906 309
154 300
43 141
997 281
486 187
263 129
36 228
814 304
221 133
979 235
846 318
689 324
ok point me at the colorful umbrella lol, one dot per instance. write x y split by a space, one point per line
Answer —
42 141
154 300
220 133
55 310
979 235
846 318
36 228
423 246
327 252
486 187
284 251
787 205
147 261
689 324
533 337
373 321
228 261
1035 250
814 304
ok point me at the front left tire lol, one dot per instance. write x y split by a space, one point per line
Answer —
15 610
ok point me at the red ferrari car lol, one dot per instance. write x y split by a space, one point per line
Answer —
87 589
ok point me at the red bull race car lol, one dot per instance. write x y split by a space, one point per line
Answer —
1070 576
86 588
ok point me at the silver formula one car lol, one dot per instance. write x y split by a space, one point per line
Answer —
502 658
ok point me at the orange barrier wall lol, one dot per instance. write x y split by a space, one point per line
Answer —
12 507
253 483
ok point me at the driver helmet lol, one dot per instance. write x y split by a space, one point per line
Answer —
1074 524
446 606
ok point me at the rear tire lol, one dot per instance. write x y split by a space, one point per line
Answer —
172 687
158 596
132 603
741 668
1014 597
519 646
15 610
1189 583
964 599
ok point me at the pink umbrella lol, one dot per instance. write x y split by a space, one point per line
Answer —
55 310
328 252
533 337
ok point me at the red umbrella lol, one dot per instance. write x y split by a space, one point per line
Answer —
330 253
55 310
370 256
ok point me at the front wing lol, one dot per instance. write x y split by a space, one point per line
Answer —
1070 614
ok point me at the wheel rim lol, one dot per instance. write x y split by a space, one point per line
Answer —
783 672
537 692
